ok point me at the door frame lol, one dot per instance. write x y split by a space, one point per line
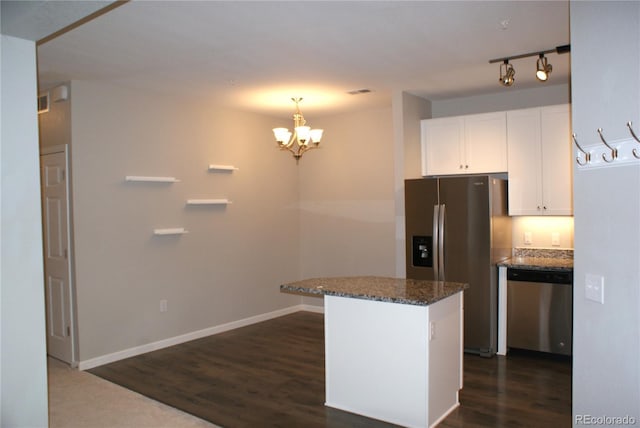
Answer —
64 148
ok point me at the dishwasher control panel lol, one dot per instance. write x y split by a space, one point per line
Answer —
535 275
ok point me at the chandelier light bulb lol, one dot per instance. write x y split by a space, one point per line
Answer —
316 135
282 135
302 133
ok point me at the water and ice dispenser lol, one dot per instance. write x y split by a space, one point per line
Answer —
422 251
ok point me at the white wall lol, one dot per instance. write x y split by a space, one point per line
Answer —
55 124
230 264
412 110
23 364
504 98
347 220
605 39
408 110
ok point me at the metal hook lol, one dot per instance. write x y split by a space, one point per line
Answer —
614 152
587 155
635 137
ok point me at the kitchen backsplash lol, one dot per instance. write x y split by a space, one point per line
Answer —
537 232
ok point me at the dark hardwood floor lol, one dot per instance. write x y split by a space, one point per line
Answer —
271 374
524 389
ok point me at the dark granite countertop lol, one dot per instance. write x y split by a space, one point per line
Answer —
540 259
383 289
538 263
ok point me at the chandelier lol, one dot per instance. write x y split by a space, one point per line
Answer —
302 138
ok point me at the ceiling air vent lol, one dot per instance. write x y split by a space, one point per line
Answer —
43 103
359 91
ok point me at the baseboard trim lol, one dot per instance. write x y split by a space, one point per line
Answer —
312 308
176 340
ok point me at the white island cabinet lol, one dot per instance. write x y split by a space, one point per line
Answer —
393 347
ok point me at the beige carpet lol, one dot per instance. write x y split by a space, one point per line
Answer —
81 400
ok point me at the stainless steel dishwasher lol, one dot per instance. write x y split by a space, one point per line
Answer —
540 310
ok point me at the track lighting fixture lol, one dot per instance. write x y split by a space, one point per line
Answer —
543 68
507 73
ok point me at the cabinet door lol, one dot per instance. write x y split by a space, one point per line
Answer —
525 154
556 160
441 145
485 140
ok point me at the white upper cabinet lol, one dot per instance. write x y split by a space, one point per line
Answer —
442 145
469 144
540 166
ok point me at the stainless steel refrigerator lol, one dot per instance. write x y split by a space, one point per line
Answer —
458 229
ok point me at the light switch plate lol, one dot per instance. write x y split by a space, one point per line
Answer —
594 288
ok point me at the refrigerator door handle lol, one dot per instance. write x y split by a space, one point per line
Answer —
434 252
441 243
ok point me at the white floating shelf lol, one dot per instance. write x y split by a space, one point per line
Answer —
151 179
213 167
170 231
208 201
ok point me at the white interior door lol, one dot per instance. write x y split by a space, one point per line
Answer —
58 285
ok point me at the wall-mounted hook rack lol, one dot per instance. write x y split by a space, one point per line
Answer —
587 155
614 152
635 137
603 153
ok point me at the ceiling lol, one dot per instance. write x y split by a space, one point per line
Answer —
37 19
257 55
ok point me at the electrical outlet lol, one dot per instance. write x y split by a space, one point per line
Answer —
163 305
527 238
555 239
432 330
594 288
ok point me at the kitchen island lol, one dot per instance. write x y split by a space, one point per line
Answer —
393 347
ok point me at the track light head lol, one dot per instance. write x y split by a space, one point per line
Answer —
507 73
543 68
